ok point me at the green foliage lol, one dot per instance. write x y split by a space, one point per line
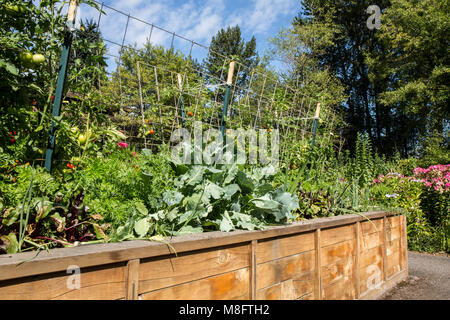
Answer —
300 48
362 168
414 66
229 43
224 197
435 149
27 88
89 202
426 209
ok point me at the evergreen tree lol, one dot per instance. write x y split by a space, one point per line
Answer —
229 43
416 69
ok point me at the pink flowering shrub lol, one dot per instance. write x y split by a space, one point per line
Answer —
436 177
425 196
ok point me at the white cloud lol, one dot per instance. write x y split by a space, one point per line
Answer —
193 19
266 12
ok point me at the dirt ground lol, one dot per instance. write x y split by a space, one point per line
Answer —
429 279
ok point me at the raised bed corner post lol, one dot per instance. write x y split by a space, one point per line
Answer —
70 28
226 100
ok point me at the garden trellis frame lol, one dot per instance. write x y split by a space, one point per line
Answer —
269 102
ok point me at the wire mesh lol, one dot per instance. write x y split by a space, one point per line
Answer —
149 98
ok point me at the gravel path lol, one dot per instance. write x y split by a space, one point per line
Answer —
429 279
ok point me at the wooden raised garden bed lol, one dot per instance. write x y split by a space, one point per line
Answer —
344 257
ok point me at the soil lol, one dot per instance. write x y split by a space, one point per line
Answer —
429 278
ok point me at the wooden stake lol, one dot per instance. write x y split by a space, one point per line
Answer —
317 111
230 73
71 15
180 82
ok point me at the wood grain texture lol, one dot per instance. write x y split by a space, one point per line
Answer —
307 297
333 253
374 225
283 269
339 271
318 265
393 257
284 246
226 286
243 297
371 276
393 247
253 265
393 221
132 280
393 233
403 245
12 266
372 240
357 264
339 290
378 291
186 267
300 261
297 287
94 284
269 293
371 256
290 289
336 235
384 246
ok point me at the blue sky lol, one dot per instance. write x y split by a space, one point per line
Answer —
194 19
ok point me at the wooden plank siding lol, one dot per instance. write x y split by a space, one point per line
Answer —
344 257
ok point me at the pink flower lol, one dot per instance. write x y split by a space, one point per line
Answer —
428 184
123 145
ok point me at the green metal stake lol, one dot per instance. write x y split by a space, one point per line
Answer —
61 81
226 100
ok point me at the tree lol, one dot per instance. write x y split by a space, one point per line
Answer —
301 48
332 43
229 43
416 68
88 51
